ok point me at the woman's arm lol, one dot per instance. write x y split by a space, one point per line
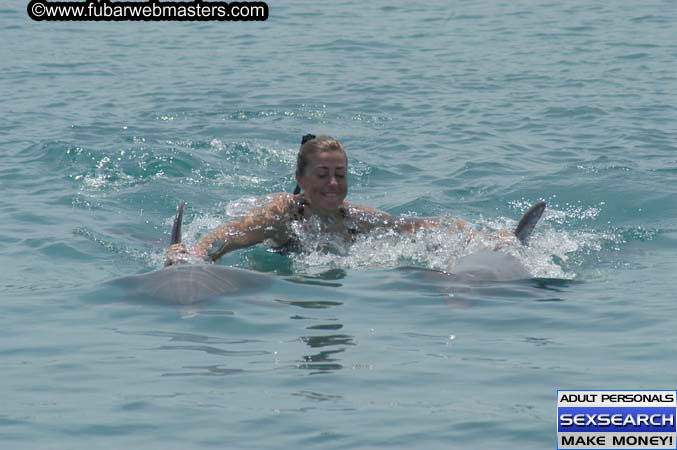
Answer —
267 222
370 218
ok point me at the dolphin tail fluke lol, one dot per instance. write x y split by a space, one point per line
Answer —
528 222
176 228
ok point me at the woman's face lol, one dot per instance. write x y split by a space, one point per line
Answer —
325 180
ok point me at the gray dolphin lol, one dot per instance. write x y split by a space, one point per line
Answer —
489 266
496 266
186 284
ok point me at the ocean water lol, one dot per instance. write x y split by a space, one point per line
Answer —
453 109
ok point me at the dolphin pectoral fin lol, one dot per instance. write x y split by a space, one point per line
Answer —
528 222
176 227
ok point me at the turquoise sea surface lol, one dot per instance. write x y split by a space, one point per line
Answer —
446 108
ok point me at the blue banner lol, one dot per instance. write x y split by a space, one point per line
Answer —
616 419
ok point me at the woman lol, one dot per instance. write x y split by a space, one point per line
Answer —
322 186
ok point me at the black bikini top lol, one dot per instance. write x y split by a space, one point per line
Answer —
293 245
300 208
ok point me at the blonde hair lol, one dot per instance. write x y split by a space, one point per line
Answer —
312 145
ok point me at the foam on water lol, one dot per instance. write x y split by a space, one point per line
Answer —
547 255
553 251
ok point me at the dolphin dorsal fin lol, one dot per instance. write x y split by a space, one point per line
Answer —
528 222
176 228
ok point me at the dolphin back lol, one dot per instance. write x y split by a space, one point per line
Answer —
490 266
186 284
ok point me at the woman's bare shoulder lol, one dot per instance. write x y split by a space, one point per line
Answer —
363 210
367 218
272 211
280 203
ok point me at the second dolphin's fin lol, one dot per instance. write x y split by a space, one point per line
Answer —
176 228
529 220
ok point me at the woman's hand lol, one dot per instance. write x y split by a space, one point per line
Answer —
179 254
176 254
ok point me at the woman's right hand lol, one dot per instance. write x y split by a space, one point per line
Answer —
179 254
176 254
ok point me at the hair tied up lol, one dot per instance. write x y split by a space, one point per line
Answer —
306 138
